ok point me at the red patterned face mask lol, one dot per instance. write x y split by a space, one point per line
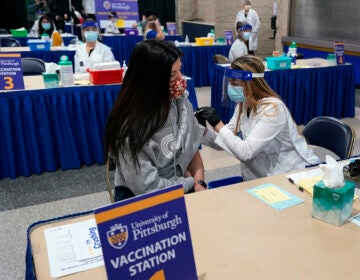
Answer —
177 87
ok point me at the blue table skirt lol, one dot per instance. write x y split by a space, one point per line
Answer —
197 62
43 130
123 45
308 93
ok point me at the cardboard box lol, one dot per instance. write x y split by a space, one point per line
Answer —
333 206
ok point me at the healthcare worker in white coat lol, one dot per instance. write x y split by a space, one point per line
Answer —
239 48
251 17
261 134
92 51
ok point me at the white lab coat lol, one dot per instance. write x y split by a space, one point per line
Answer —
253 19
111 28
89 6
237 49
270 143
101 53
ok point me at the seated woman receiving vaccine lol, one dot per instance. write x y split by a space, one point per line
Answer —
92 51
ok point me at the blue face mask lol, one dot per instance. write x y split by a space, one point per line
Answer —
46 25
91 36
246 35
236 93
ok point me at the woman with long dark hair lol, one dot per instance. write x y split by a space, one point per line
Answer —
151 133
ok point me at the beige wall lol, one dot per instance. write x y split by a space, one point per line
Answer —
222 14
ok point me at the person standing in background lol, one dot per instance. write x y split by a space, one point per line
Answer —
89 9
251 17
35 9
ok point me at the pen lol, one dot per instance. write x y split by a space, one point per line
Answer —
293 182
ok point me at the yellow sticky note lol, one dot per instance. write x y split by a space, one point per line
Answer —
272 194
308 183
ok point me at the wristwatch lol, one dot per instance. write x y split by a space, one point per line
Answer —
202 183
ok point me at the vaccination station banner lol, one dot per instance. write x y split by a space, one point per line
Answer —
126 9
147 237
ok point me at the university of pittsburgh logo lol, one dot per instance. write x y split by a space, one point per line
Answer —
117 236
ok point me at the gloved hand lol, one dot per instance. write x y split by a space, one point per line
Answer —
209 114
200 119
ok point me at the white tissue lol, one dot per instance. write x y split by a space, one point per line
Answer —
333 173
51 67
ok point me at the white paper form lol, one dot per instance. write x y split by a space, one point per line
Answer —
73 248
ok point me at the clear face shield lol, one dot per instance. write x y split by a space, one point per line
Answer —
88 29
234 84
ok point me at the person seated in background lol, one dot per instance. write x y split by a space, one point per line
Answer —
44 25
92 51
151 132
262 133
143 21
110 25
239 47
153 29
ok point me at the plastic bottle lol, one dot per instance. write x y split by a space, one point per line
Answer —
66 72
211 34
124 67
187 40
292 49
139 28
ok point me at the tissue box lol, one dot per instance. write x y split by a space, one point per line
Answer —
333 206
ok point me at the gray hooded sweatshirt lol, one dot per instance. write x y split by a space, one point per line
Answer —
160 165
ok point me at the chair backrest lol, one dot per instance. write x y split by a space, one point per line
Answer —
332 134
4 31
73 41
9 42
225 182
32 66
220 59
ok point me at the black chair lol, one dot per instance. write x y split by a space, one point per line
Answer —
332 134
32 66
9 42
4 31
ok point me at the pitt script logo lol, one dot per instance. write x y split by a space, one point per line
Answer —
118 236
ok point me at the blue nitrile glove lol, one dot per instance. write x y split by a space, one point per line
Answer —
200 119
209 114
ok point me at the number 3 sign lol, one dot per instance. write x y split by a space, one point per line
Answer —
11 76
